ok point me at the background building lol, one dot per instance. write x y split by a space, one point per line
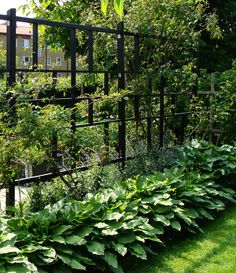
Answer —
47 58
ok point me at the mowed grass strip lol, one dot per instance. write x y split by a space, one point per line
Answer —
214 251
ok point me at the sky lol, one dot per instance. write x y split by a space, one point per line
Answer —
5 5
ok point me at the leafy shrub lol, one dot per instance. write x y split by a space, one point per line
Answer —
93 233
97 177
207 158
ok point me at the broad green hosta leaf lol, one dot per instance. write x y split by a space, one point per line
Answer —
9 250
84 232
137 221
17 269
61 229
141 183
181 214
163 209
109 232
48 255
138 250
120 248
111 259
145 209
191 213
126 238
158 199
113 216
175 225
205 213
72 262
83 259
119 269
148 229
7 238
58 239
101 225
65 249
95 248
22 263
161 218
75 240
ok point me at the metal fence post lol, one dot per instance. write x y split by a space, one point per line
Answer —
11 47
73 93
35 46
11 79
121 86
162 111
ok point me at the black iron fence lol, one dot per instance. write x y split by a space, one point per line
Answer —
131 108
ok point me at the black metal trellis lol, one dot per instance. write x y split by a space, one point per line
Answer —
76 96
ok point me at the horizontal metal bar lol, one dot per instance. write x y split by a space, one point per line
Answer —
70 25
4 17
69 71
49 176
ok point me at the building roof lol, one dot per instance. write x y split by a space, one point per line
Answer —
20 30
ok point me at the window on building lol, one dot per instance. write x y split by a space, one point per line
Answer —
49 60
25 60
26 43
39 52
58 61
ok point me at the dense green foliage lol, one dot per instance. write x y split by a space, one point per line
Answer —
217 109
212 251
94 232
217 55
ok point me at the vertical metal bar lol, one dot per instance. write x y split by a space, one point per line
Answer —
182 128
149 120
162 111
149 85
11 67
106 142
106 125
136 107
106 84
149 134
90 51
90 111
73 62
136 115
35 46
121 57
121 85
11 47
73 92
136 53
54 78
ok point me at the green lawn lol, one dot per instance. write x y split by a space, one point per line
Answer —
214 251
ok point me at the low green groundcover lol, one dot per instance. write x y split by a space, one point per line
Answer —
73 236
